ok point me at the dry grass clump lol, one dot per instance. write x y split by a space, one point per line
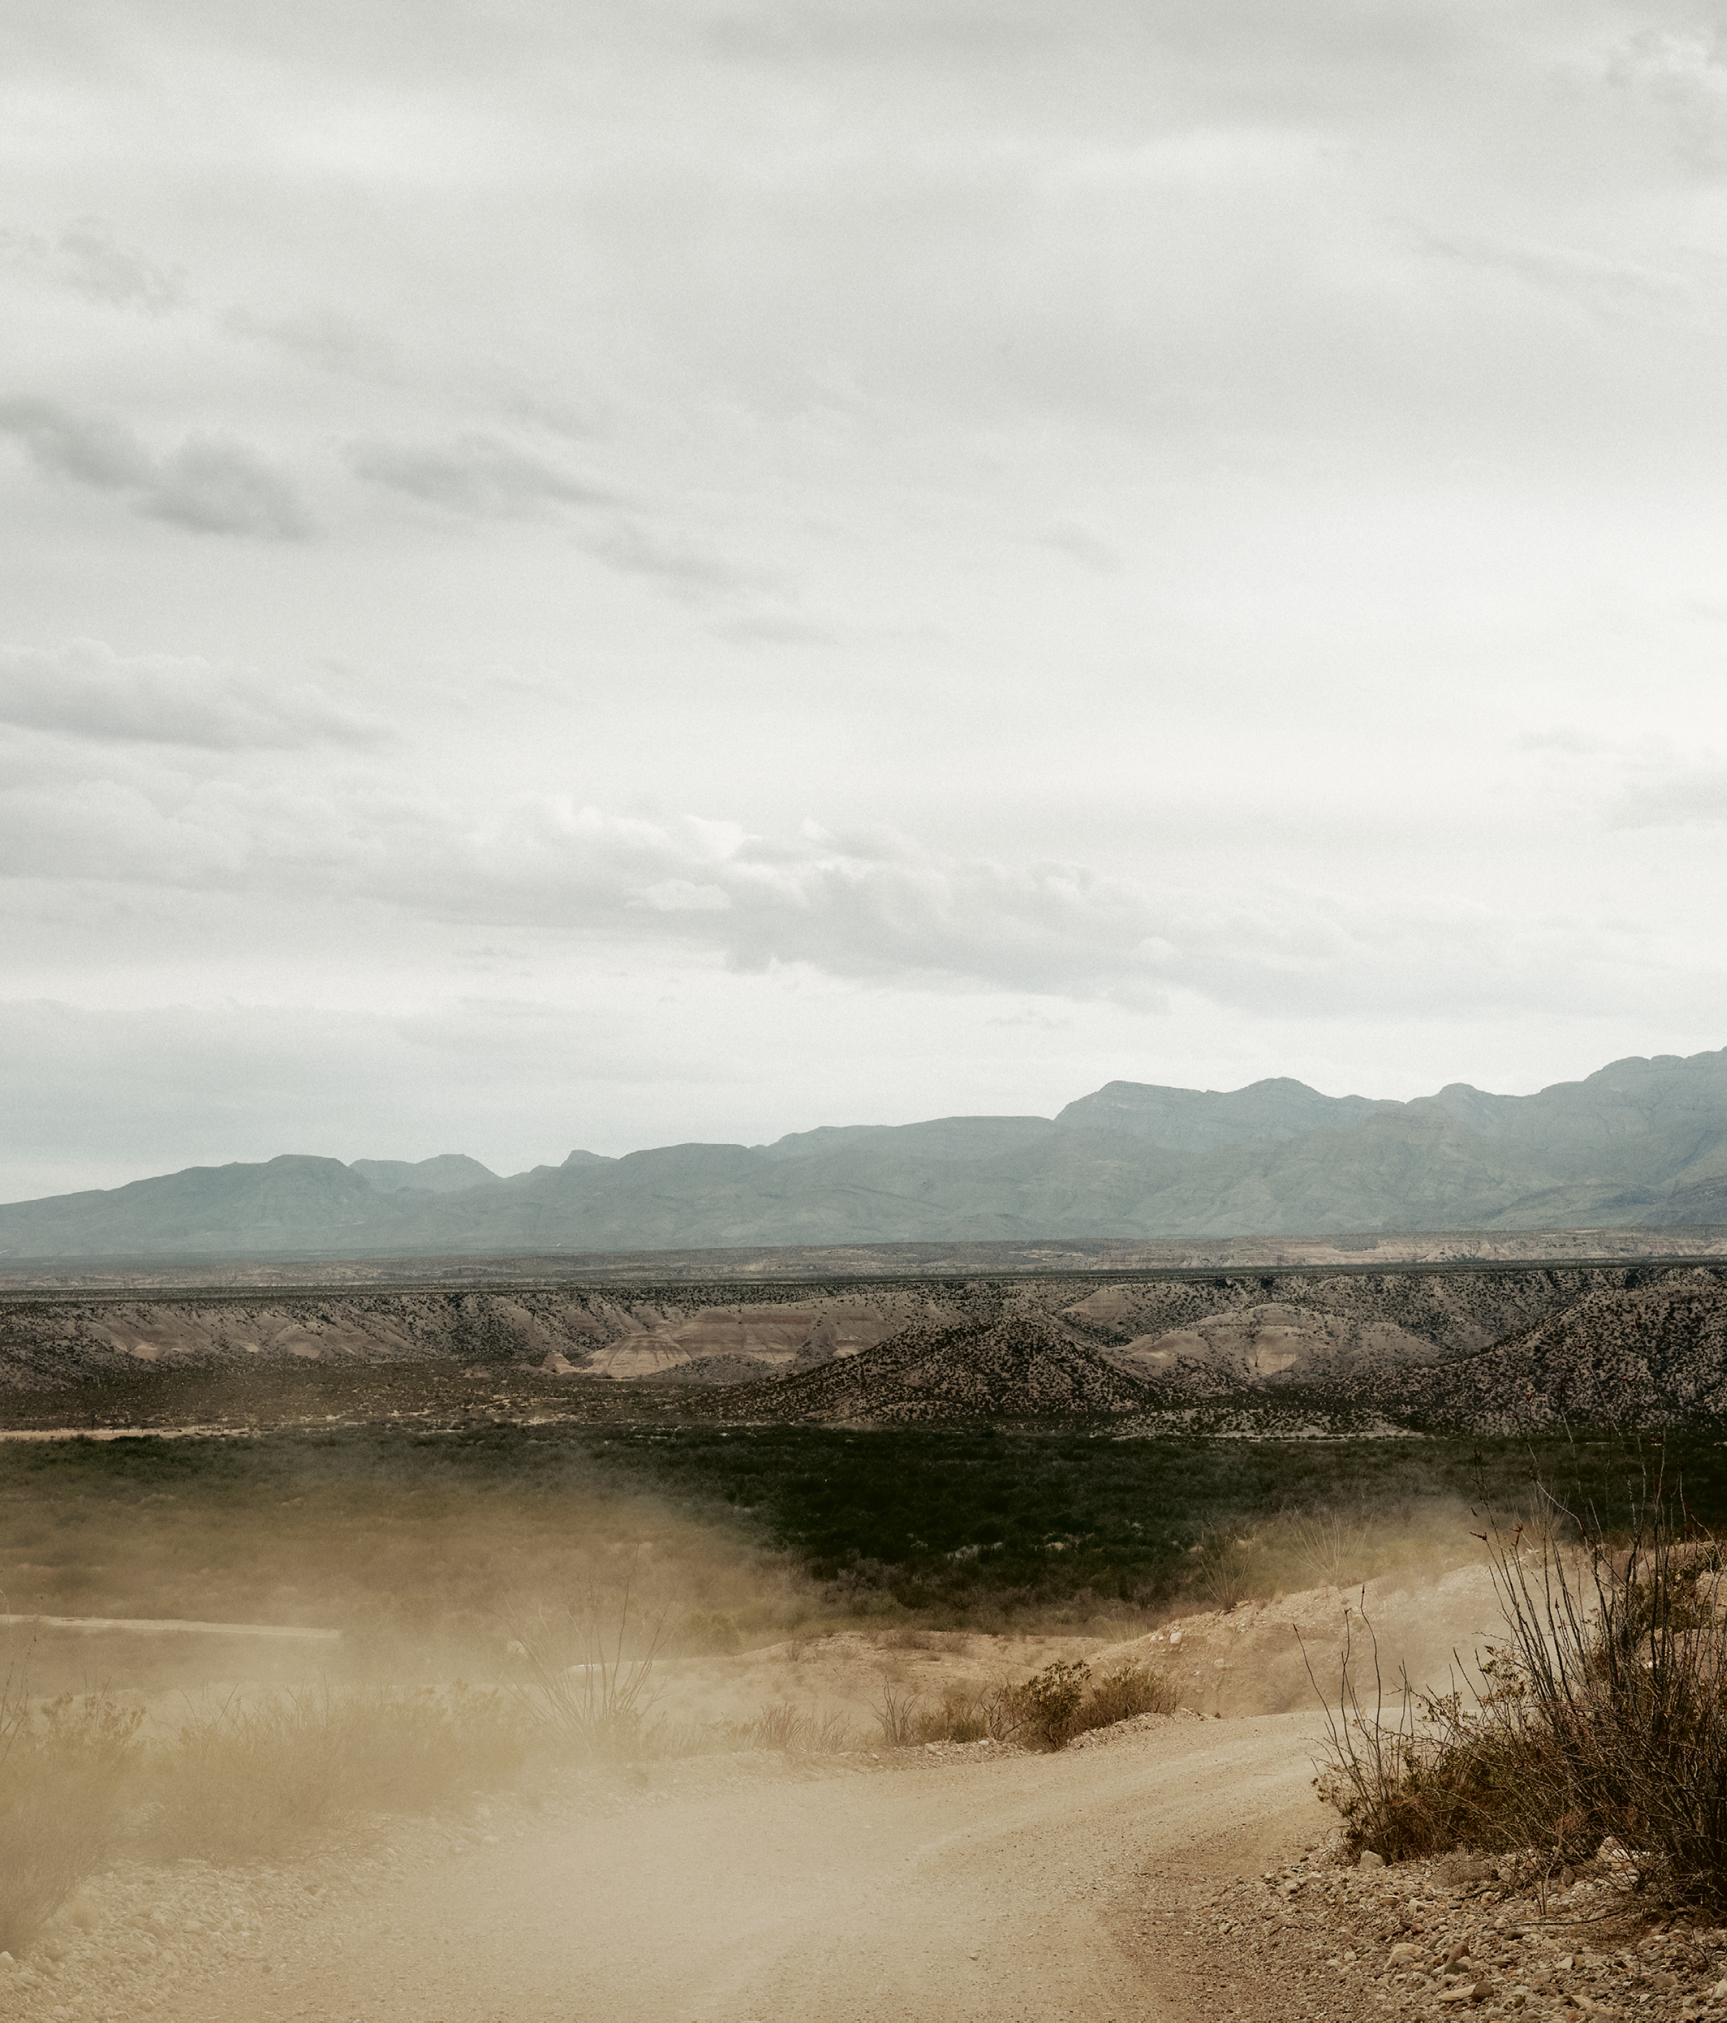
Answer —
62 1799
256 1776
1601 1719
1045 1711
799 1732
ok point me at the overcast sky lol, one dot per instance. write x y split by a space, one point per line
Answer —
604 574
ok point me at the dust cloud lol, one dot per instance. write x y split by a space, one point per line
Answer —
262 1707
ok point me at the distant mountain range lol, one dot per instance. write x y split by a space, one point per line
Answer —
1642 1143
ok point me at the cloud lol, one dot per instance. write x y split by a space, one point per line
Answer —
1599 283
1090 549
215 486
1696 797
680 895
87 259
678 564
634 893
322 339
769 628
85 448
480 477
85 690
875 907
476 475
97 266
210 484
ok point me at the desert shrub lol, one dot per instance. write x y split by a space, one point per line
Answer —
585 1668
1603 1716
1225 1567
63 1793
1328 1546
1045 1708
900 1716
1045 1711
1121 1695
966 1716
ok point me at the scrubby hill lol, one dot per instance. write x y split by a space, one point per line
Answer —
1648 1355
1014 1366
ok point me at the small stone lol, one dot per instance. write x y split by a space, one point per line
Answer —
1370 1860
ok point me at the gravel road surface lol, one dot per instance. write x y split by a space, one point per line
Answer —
1022 1889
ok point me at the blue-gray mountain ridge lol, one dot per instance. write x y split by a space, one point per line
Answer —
1641 1143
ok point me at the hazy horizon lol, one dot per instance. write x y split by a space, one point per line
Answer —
605 577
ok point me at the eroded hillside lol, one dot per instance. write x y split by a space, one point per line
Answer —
1500 1348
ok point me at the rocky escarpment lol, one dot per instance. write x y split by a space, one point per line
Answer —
571 1331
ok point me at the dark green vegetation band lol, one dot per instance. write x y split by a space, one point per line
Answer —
966 1525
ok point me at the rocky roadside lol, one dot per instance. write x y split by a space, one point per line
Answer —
1459 1936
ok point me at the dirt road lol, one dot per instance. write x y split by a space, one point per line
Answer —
1020 1890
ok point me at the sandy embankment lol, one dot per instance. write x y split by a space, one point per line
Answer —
1249 1660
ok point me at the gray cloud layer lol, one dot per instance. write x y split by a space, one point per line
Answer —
86 690
209 484
477 475
1006 543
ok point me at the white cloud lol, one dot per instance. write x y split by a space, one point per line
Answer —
86 448
483 478
1084 544
215 486
683 895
